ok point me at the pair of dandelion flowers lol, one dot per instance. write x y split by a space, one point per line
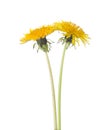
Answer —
72 34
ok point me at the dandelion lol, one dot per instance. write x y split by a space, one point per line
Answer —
72 33
39 36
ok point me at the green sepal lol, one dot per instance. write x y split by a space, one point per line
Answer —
34 45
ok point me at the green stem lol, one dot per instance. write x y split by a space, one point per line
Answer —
53 92
60 87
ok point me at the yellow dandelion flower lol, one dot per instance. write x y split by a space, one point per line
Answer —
72 32
37 33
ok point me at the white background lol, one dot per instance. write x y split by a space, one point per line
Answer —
25 93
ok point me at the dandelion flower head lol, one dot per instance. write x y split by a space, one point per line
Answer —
37 33
72 32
